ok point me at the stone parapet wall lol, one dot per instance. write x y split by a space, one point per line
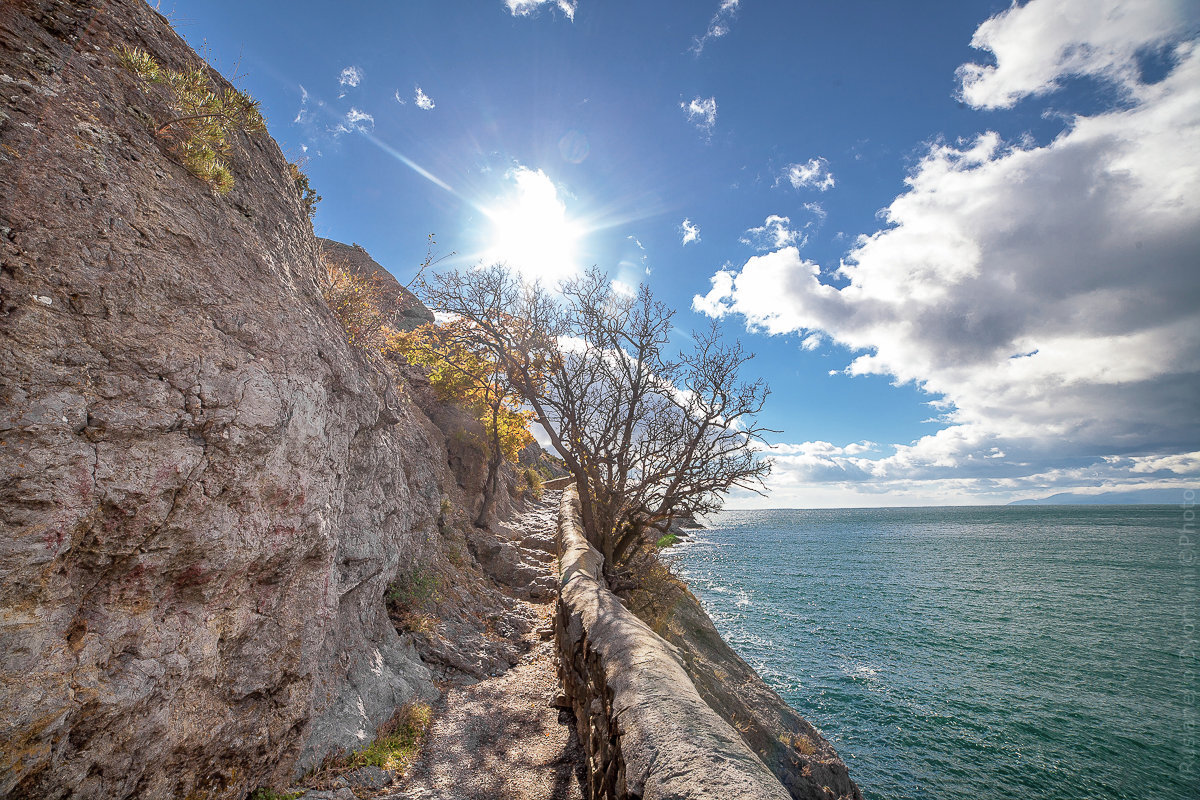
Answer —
646 731
558 483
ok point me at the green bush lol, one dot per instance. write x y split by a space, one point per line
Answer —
308 195
666 540
533 482
413 589
202 116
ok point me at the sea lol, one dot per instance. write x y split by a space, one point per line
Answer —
973 652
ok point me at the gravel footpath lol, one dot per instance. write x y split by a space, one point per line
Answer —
499 739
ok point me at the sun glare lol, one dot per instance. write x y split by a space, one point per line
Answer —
531 231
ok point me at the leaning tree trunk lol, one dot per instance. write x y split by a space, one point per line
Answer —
491 484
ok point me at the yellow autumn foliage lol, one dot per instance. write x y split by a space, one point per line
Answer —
465 375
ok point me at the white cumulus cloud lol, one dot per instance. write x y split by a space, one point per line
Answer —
425 101
523 8
1037 44
1045 295
690 231
701 112
811 174
774 233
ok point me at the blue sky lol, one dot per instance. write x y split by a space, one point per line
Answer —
961 237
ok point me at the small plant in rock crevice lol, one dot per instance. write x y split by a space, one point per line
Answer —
308 195
407 596
202 115
532 480
414 588
263 793
395 748
801 744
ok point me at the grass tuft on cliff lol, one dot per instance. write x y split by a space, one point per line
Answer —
398 742
396 746
202 115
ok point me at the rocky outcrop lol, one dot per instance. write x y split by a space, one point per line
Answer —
204 490
401 306
795 751
646 730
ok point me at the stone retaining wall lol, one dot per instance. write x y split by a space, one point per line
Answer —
646 731
558 483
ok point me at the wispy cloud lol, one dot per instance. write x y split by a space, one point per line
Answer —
774 233
349 78
718 26
702 113
817 210
635 263
300 112
355 121
689 230
1041 295
425 101
811 174
523 8
400 99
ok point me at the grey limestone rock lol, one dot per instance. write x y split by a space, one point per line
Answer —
204 490
329 794
370 777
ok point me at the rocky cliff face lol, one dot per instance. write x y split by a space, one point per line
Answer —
404 310
204 491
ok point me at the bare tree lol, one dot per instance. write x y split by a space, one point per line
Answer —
648 438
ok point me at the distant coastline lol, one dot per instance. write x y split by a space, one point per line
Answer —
1132 497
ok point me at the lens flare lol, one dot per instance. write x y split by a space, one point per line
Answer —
531 231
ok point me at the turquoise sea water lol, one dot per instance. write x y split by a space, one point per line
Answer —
998 652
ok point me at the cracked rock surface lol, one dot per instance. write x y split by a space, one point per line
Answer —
204 491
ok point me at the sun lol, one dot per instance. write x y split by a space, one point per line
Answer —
531 231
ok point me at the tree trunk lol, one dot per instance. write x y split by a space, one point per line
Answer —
491 484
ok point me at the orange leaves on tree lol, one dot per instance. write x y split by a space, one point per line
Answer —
465 374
